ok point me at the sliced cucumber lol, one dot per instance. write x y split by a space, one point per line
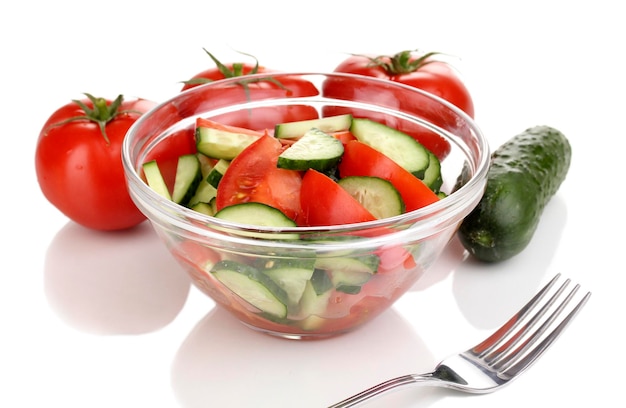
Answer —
291 130
155 180
204 208
432 175
222 144
217 172
206 164
315 150
253 213
314 300
205 192
377 195
258 214
396 145
188 176
290 275
350 273
252 286
321 282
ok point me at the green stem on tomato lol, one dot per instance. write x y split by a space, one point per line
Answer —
402 62
101 113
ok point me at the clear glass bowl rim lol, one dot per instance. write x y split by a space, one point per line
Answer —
196 223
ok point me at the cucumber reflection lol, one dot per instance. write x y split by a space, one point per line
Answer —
479 287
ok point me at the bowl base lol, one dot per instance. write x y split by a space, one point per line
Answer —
295 336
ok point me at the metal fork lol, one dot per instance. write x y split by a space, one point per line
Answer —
503 356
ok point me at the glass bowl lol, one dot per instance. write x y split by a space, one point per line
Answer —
331 279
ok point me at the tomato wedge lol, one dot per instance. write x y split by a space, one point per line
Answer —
360 159
254 177
324 202
344 136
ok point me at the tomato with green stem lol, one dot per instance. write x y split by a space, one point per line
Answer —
249 85
78 161
412 69
419 70
223 71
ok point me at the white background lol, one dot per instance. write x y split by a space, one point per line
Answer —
108 320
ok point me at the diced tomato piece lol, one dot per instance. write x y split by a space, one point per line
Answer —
344 136
253 176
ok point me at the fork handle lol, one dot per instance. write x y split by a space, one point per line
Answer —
415 379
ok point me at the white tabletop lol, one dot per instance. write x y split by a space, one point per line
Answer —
109 320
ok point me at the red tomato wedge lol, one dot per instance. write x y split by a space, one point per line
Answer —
344 136
324 202
360 159
254 177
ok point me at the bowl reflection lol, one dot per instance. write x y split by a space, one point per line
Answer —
222 363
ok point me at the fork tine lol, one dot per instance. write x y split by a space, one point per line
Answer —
488 345
520 361
505 359
503 353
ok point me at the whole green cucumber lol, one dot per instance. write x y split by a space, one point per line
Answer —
524 174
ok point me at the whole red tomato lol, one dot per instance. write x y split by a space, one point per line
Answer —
417 70
248 89
79 165
420 71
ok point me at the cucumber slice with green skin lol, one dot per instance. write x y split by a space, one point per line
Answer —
205 193
253 213
206 164
258 214
188 176
314 150
217 172
290 275
321 282
292 130
315 296
350 273
377 195
396 145
155 180
432 176
204 208
253 286
222 144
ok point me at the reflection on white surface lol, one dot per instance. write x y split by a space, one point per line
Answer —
113 283
509 284
224 363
